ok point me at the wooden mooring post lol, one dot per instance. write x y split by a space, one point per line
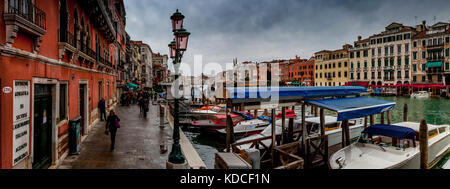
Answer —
229 128
388 117
283 123
382 118
274 135
405 113
365 122
290 135
372 120
344 133
423 140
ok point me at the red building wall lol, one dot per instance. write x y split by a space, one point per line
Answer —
45 64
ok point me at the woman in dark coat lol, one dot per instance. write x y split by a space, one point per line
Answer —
111 127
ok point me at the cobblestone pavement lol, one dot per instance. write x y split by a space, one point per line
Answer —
137 143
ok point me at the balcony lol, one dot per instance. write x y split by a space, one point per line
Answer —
435 58
435 46
436 70
68 42
21 15
101 17
329 78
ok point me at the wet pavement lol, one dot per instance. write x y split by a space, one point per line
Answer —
138 143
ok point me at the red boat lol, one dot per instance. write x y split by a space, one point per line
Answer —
289 114
219 121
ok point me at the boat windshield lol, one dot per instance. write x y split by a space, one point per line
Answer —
386 142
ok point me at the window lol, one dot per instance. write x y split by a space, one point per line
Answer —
358 75
339 65
365 75
414 68
424 43
399 74
379 51
415 44
345 73
386 50
399 61
424 55
359 65
379 62
373 63
414 79
447 52
406 60
351 76
407 47
62 101
424 66
399 49
351 65
414 55
345 64
373 51
365 64
339 74
447 40
423 78
447 66
386 62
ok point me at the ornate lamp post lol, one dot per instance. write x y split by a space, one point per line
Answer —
177 48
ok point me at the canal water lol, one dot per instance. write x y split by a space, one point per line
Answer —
433 110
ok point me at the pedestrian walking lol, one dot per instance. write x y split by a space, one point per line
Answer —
112 124
102 108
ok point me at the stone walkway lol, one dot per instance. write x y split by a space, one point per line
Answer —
137 143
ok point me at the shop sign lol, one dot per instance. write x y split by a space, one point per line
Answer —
21 123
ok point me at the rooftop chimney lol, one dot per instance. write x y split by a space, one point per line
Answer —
359 38
424 24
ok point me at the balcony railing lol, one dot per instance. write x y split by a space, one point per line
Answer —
436 58
28 11
67 37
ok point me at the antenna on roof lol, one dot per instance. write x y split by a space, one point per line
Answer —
434 19
415 20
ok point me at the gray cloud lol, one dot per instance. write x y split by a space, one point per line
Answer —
261 30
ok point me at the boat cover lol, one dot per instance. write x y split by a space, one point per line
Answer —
244 115
354 107
265 118
293 92
391 131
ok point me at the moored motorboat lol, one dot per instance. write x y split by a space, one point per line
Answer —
392 146
248 127
420 94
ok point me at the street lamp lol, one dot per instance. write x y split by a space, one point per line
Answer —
177 48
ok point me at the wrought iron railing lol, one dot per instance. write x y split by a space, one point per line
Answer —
27 10
67 37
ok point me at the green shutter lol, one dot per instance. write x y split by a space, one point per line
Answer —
414 55
423 55
406 61
399 61
447 66
386 62
447 53
392 62
414 67
379 63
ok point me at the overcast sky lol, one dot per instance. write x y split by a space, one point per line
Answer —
263 30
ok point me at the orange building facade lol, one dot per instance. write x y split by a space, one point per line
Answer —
58 58
302 70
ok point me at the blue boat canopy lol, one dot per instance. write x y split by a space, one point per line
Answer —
245 94
244 115
391 131
354 107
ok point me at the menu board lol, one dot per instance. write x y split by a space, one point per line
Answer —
21 123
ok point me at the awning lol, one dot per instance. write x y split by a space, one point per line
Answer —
434 64
391 131
131 85
257 94
357 83
355 107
